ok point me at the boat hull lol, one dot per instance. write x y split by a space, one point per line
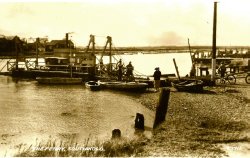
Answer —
189 86
125 86
93 86
58 80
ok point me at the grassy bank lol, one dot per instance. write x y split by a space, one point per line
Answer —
122 147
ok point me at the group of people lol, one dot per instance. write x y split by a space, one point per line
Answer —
129 71
157 74
130 77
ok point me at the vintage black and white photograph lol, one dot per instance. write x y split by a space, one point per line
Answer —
125 78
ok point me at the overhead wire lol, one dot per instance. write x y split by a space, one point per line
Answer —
136 72
117 55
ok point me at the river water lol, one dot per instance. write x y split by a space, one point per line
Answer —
29 111
143 62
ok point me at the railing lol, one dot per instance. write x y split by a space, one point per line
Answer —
3 64
31 65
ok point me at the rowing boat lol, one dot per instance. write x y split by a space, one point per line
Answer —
125 86
189 86
92 85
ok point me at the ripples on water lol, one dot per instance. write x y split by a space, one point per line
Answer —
30 111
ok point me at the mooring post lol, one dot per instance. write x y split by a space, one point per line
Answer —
116 133
161 109
176 68
139 121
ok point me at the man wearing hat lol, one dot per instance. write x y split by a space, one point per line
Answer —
222 69
157 78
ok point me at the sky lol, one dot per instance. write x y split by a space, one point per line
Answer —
128 22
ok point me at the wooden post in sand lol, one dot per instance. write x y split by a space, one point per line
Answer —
116 133
139 121
161 109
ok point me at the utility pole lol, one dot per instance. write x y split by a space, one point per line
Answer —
69 46
214 44
67 40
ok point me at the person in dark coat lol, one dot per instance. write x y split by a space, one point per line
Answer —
157 78
129 72
120 69
222 69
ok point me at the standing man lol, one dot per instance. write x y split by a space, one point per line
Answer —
120 69
222 69
157 78
129 73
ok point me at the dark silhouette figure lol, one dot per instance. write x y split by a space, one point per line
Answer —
222 69
139 121
116 133
157 78
129 72
120 68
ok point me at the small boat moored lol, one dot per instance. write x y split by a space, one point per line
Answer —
92 85
125 86
189 86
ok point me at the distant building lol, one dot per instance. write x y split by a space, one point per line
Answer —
39 44
59 44
9 45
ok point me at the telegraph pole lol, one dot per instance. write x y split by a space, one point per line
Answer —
214 44
70 54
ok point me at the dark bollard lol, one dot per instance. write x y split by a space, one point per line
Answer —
139 121
161 109
116 133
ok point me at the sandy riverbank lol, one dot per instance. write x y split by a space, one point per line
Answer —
214 123
211 124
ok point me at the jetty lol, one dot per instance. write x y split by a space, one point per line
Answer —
60 58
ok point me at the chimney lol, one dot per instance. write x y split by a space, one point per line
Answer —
67 40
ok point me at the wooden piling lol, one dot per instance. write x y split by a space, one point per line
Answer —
116 133
176 68
139 121
161 109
